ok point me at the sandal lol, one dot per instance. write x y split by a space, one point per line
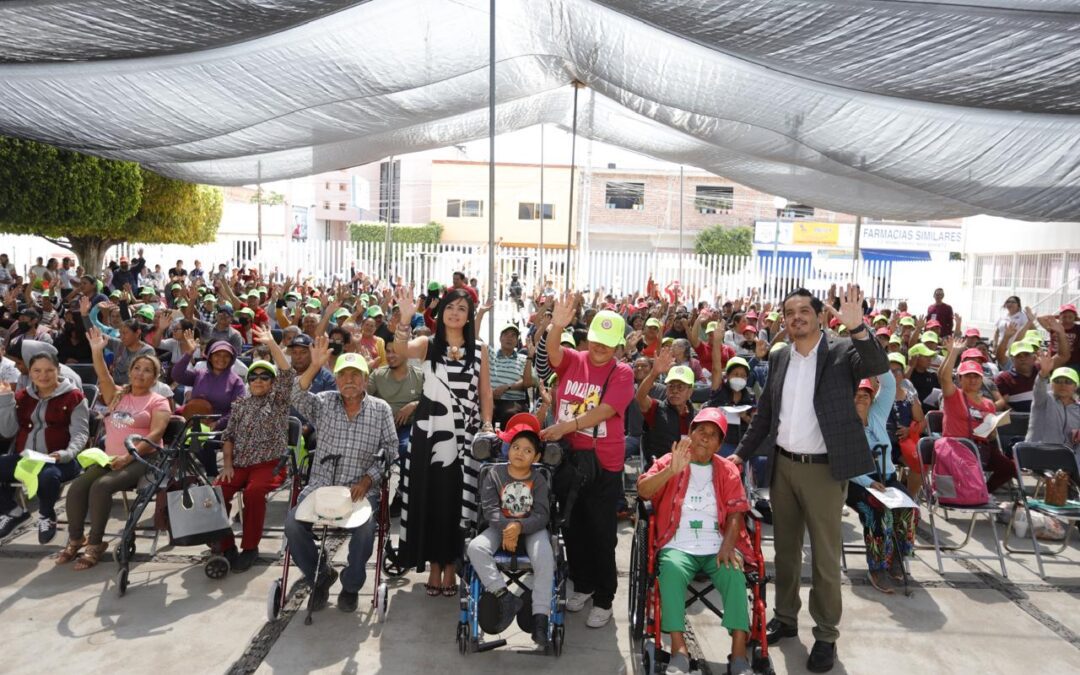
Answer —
450 591
71 551
878 585
432 590
90 556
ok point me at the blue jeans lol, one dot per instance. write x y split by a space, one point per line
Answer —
403 435
50 479
361 543
633 446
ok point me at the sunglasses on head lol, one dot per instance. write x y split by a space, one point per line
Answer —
265 377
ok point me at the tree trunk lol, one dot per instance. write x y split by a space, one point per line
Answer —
90 251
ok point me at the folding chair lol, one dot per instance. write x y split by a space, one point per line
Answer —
935 420
1014 432
989 510
85 371
90 392
1043 459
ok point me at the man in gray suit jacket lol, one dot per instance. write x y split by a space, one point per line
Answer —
807 428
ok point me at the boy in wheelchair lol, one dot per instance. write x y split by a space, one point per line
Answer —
514 500
699 503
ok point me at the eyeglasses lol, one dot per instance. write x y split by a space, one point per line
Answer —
265 377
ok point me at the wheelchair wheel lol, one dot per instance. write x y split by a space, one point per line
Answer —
217 567
463 638
275 599
122 581
390 564
639 562
119 552
382 598
761 664
558 635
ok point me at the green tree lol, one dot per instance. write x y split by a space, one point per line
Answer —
87 204
270 198
407 234
724 240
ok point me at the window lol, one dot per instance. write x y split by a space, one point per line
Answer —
326 205
342 187
390 192
798 211
326 185
341 206
623 195
714 198
464 208
531 211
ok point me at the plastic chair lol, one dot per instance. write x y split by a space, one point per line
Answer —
85 371
1041 459
935 421
989 510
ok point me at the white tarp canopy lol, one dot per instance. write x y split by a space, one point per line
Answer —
898 109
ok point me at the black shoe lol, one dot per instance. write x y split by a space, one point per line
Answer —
509 605
321 593
245 560
775 631
46 530
231 555
540 630
347 601
822 657
8 522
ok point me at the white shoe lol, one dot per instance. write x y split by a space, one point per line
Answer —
598 617
576 601
845 511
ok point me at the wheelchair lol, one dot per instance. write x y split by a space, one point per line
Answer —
174 465
515 566
644 604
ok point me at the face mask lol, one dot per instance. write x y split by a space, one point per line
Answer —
337 347
737 383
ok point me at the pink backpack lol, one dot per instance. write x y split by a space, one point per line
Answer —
957 474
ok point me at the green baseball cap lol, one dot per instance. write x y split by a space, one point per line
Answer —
253 294
737 361
292 295
568 339
262 289
146 290
653 323
181 303
896 340
710 327
227 304
341 313
920 350
666 341
315 302
373 311
175 287
351 360
680 374
1021 348
778 346
246 311
607 328
880 317
908 321
434 286
897 357
510 326
929 336
1032 337
146 312
1066 372
772 316
264 365
114 294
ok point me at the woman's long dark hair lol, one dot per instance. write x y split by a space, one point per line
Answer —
438 343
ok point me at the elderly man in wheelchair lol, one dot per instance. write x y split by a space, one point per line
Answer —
699 502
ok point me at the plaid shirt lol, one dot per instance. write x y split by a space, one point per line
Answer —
359 441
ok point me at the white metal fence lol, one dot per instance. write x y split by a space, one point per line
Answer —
616 272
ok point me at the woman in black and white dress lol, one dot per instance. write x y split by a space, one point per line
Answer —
440 481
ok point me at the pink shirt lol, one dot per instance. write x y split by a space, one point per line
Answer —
579 392
131 416
957 407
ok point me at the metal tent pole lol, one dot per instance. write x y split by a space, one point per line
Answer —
680 226
855 253
573 158
389 218
491 172
542 206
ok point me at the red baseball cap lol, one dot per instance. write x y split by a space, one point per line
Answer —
933 323
865 383
834 322
714 415
972 353
1067 308
750 315
972 332
883 331
519 423
968 367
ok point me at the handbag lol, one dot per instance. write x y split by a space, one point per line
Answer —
197 515
1057 488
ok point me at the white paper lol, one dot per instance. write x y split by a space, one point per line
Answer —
893 498
733 411
933 398
38 456
989 423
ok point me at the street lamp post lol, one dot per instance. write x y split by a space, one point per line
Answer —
779 203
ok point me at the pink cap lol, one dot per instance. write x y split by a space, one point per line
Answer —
968 367
972 332
883 331
933 323
1067 308
518 423
973 353
750 315
866 384
714 415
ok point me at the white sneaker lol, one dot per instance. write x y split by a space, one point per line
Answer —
576 601
598 617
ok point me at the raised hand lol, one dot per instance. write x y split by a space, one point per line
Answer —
186 341
563 313
1046 364
406 302
850 313
262 336
84 306
680 455
96 339
320 351
663 361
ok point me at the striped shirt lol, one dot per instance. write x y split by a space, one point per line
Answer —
359 441
506 370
